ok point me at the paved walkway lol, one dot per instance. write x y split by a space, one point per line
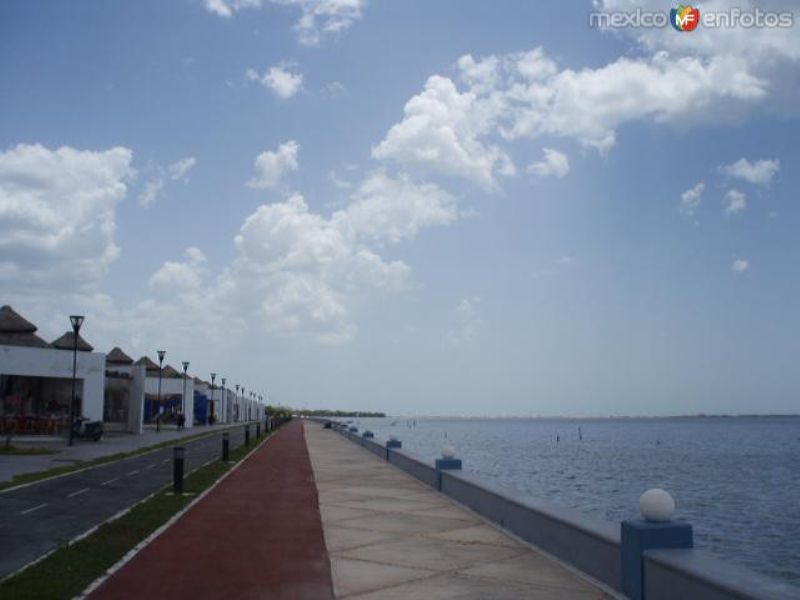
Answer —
256 535
392 537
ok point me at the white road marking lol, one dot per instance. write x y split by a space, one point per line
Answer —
134 472
110 481
78 493
151 466
30 510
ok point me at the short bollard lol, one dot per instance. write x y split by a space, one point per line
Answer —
258 430
392 443
367 435
653 531
447 462
225 446
247 435
178 453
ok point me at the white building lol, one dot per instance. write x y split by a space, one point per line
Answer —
36 379
123 409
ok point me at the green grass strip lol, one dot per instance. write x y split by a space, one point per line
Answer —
23 478
71 569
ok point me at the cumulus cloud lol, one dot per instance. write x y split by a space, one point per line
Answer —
461 125
184 275
394 209
740 265
467 324
736 202
279 79
442 130
759 172
306 268
691 198
159 176
555 163
57 214
271 166
317 17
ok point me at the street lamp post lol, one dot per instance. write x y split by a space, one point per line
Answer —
222 397
236 402
241 407
161 354
76 321
211 414
183 403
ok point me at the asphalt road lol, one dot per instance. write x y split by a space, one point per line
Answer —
39 517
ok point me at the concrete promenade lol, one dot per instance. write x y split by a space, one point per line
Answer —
391 537
335 521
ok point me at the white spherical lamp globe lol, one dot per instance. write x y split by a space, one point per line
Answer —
448 451
656 505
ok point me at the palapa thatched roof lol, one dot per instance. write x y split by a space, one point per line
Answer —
118 357
15 330
170 371
148 364
66 341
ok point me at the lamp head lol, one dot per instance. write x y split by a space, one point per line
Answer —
185 366
76 321
213 377
161 354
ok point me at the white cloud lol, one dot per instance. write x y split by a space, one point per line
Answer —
393 209
467 322
321 17
335 89
737 202
691 198
180 169
759 172
227 8
317 17
307 269
740 265
337 181
154 186
272 166
555 163
459 126
279 79
57 215
441 131
181 276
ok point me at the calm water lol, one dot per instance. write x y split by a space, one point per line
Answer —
736 480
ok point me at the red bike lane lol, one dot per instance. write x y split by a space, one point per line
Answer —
258 534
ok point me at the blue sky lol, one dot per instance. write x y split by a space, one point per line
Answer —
428 208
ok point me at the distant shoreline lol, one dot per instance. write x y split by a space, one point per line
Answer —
590 418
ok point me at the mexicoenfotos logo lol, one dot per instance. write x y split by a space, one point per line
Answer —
684 18
687 18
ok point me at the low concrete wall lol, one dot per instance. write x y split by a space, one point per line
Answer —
694 574
589 544
414 466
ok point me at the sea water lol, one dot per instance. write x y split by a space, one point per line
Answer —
735 479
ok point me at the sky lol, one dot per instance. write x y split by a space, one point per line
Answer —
428 208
